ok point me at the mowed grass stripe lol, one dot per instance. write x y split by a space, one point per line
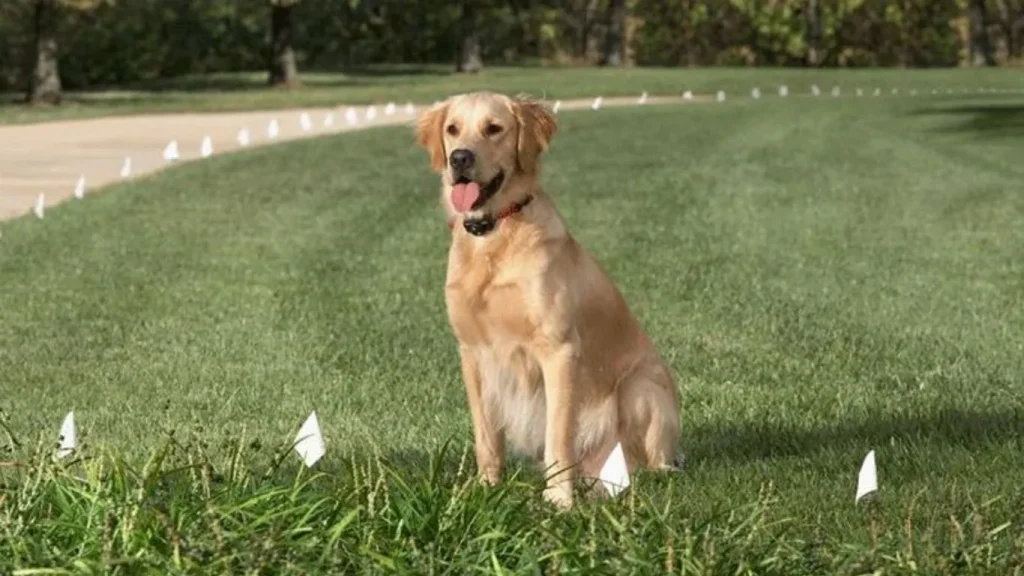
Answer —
803 213
803 247
204 300
823 277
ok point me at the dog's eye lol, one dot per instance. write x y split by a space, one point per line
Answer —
492 130
453 130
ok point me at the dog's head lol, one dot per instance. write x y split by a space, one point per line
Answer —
482 143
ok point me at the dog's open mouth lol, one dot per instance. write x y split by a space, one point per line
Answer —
469 195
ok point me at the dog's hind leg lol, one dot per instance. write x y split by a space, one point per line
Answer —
649 418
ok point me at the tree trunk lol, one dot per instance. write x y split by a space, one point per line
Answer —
813 33
981 48
1015 32
586 27
690 38
1005 25
283 71
614 41
44 86
470 60
1006 22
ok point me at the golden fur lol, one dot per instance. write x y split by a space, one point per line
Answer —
553 360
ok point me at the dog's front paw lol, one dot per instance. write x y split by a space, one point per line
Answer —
490 477
560 495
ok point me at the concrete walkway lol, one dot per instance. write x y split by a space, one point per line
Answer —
49 158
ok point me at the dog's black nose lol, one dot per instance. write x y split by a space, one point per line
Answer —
461 160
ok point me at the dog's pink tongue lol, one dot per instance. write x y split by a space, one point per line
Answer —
464 195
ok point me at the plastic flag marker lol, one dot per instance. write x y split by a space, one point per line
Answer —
720 96
783 91
371 113
243 137
895 91
815 90
329 120
40 206
68 436
755 93
305 122
615 474
309 442
867 480
206 148
643 99
835 91
273 129
878 91
860 92
171 151
597 103
389 110
558 104
410 109
80 187
351 117
688 95
126 168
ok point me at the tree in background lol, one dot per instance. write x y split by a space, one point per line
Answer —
44 84
586 26
981 47
469 59
283 69
1011 23
614 53
813 33
86 44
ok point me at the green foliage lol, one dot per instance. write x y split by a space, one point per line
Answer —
192 510
754 32
144 39
106 42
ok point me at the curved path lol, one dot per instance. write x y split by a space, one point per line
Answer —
49 158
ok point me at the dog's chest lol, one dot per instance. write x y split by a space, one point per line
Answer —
488 305
512 391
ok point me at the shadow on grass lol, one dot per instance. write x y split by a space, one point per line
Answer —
396 70
753 441
734 443
255 81
990 121
738 443
456 458
308 78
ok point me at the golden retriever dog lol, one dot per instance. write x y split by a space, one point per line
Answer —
553 360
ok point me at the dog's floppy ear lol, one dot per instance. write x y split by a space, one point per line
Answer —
537 127
430 134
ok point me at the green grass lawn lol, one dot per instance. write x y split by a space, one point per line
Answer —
248 91
826 277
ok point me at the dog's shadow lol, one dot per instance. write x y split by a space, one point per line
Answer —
727 443
986 120
738 443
